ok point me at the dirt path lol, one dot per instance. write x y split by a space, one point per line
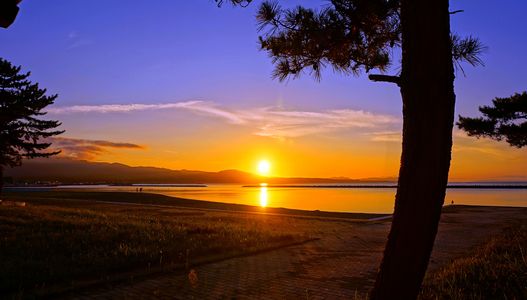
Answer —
342 262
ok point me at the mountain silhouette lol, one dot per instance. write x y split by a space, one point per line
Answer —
69 171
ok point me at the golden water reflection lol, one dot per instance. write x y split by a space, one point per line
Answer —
368 200
263 196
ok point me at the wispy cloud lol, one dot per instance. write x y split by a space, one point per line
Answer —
386 136
75 40
462 143
266 121
197 106
88 149
73 35
465 143
287 124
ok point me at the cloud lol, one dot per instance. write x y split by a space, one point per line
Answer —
465 143
462 143
388 136
75 40
196 106
87 149
72 35
266 121
278 123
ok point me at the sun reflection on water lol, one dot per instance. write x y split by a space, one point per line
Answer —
263 195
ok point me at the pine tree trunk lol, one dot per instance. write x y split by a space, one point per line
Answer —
1 180
427 89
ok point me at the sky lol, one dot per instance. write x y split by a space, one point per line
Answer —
183 85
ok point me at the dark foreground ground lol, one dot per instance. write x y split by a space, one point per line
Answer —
104 245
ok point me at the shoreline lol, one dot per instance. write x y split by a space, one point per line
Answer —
153 199
520 186
168 201
386 186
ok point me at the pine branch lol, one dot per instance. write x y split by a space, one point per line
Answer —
385 78
501 121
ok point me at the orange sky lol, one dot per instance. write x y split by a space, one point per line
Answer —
320 146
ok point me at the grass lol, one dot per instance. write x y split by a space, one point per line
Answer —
495 270
62 239
53 242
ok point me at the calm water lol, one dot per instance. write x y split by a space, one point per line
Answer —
373 200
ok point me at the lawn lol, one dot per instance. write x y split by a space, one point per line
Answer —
494 270
53 243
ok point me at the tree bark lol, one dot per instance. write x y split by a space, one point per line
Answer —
427 89
1 180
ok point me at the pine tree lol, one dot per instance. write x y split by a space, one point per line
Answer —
8 12
22 132
506 119
352 36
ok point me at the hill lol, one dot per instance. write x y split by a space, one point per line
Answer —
68 171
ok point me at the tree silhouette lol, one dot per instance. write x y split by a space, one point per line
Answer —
507 119
8 11
21 131
355 35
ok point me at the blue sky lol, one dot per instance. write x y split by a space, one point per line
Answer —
122 51
149 52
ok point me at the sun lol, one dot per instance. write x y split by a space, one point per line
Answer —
264 167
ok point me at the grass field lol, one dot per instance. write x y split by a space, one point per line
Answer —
494 270
53 242
61 240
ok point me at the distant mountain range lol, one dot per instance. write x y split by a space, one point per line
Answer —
69 171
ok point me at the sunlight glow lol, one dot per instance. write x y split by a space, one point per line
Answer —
264 167
263 196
